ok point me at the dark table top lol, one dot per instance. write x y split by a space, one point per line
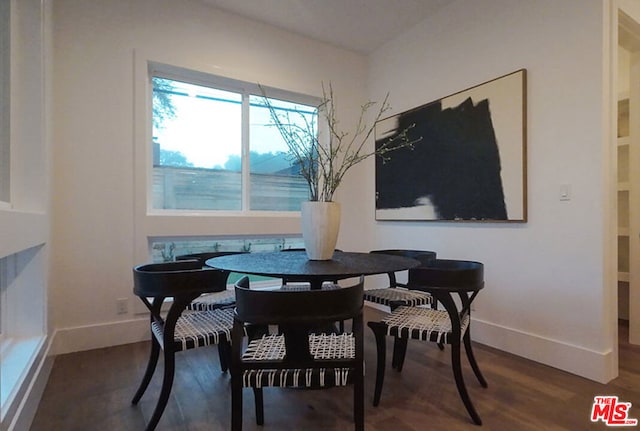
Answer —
295 266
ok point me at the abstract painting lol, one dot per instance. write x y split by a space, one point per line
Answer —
469 163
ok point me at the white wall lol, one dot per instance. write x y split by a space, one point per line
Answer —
101 48
545 285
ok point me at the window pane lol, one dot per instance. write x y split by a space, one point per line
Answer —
276 183
197 134
167 251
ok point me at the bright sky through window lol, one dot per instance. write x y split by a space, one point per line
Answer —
207 129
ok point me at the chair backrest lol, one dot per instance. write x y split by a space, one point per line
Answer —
183 281
302 249
243 282
442 277
424 256
452 275
203 257
299 313
297 307
174 279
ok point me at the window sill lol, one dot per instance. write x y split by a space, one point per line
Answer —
219 213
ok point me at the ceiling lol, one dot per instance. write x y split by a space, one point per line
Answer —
357 25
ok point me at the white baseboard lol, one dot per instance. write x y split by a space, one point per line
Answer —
591 364
90 337
598 366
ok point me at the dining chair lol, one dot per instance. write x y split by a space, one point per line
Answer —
213 300
179 329
442 278
296 355
397 293
288 284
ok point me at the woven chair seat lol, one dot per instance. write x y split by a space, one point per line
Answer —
305 287
199 328
386 296
323 346
211 301
422 324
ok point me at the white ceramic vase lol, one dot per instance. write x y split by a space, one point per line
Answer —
320 227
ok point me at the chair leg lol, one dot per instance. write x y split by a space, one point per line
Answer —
394 355
379 332
236 403
358 400
472 360
151 367
224 352
259 401
462 389
434 306
399 352
165 391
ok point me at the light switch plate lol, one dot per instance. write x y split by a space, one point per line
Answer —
565 192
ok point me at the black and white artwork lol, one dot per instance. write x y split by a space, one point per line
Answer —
469 163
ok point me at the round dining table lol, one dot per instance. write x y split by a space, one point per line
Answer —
295 266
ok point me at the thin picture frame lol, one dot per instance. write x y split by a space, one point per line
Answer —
469 161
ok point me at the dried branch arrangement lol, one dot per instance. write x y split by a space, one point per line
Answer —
324 166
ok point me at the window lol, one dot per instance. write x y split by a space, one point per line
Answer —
163 250
4 100
216 148
166 251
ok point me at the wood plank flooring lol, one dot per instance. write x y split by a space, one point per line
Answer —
92 391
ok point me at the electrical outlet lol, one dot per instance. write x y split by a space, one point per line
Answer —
122 305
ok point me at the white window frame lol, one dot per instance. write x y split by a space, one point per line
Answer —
150 223
5 98
245 89
3 302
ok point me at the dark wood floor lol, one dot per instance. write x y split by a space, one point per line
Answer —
92 390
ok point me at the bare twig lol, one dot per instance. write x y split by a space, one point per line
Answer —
324 166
